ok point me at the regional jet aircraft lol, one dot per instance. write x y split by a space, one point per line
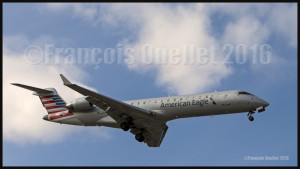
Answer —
145 118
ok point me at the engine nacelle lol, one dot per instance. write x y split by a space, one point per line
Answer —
79 104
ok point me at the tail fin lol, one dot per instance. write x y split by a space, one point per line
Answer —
49 97
53 102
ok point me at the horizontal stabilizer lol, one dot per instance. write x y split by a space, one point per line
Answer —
37 90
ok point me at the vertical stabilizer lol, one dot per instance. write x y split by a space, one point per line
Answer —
49 97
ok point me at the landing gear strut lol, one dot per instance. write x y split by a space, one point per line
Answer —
139 137
250 117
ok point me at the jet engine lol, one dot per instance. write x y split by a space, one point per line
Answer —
79 104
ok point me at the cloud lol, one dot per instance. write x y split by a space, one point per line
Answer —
267 19
283 19
182 28
165 27
247 31
22 111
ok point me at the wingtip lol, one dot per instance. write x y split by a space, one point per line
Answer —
65 80
16 84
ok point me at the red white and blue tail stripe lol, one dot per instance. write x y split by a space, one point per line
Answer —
53 103
55 106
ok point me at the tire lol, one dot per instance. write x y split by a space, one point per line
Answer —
251 118
139 137
124 126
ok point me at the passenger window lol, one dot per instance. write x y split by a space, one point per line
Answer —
168 100
174 100
131 103
155 101
138 103
180 99
144 102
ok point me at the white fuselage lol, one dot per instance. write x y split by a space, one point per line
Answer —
173 107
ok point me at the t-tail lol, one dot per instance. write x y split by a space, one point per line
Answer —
51 100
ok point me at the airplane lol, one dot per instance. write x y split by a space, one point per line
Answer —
145 118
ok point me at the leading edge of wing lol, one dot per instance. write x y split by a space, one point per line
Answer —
113 103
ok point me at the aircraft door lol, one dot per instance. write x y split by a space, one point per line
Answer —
225 97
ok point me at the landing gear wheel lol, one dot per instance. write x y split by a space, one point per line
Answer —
139 137
124 126
251 118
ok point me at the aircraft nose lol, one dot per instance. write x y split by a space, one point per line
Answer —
261 102
264 103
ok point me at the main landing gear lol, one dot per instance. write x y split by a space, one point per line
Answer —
127 125
250 117
139 137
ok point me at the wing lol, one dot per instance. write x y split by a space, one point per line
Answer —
144 121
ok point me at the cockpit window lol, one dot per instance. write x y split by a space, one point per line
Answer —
245 93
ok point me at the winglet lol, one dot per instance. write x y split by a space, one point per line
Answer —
65 80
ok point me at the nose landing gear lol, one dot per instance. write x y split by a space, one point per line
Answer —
250 117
